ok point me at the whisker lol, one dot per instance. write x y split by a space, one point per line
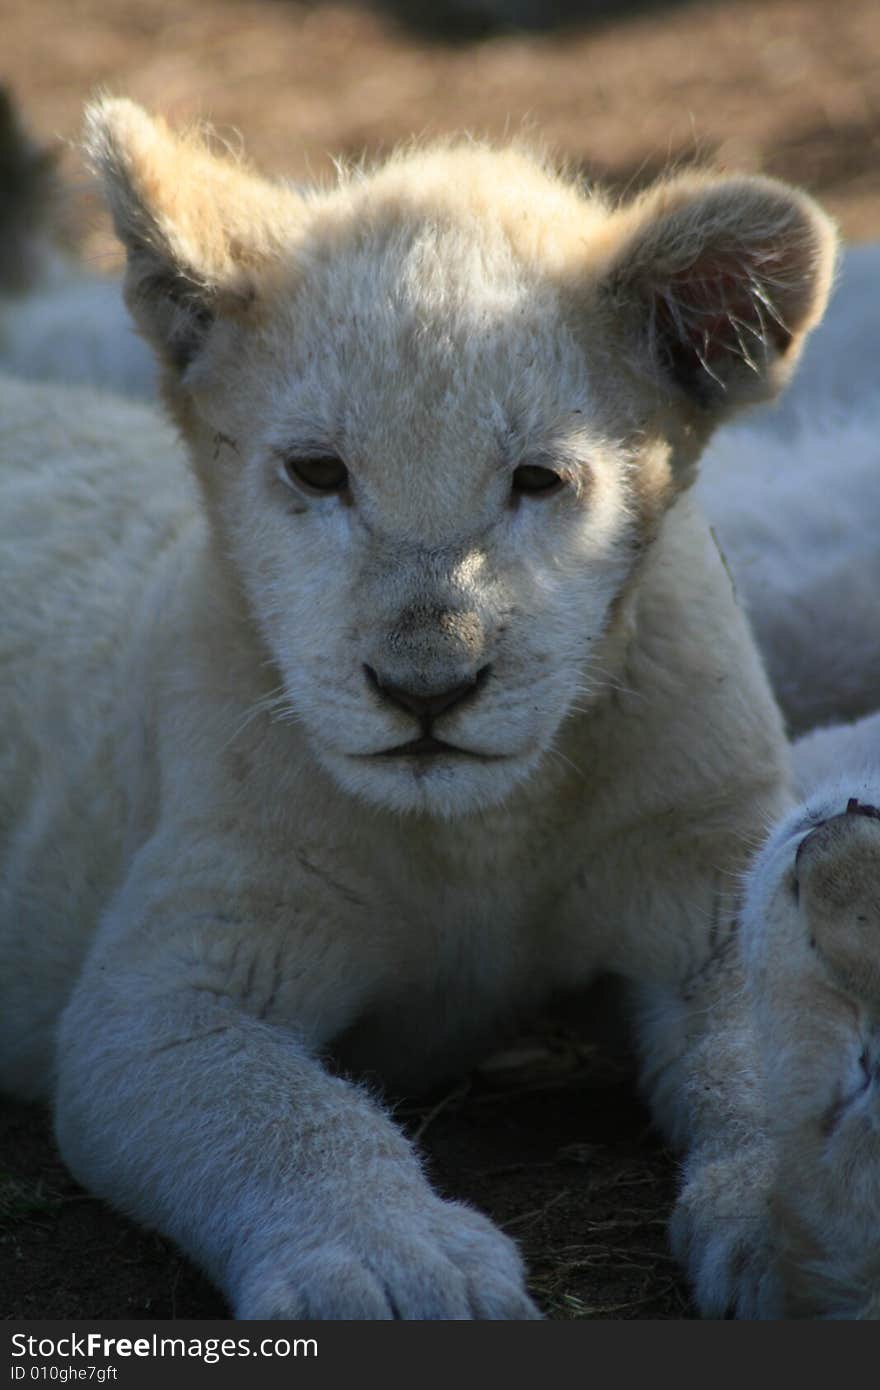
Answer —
266 704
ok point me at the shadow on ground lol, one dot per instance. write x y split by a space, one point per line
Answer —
548 1140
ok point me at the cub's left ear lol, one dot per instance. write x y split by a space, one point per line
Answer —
198 227
720 280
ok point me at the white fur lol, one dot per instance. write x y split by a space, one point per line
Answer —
793 494
811 943
212 883
796 516
838 371
792 491
144 770
73 328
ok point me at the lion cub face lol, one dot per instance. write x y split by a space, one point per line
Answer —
437 412
430 521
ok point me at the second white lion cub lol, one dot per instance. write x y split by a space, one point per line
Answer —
811 946
420 695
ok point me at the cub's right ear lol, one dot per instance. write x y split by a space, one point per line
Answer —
197 226
716 281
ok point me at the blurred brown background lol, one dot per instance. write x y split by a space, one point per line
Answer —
791 87
552 1145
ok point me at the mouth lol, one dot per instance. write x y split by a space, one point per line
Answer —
428 747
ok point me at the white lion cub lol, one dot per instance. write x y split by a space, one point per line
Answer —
811 938
421 695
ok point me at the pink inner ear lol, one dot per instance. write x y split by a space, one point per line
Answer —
717 310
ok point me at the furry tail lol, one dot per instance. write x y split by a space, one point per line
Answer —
28 189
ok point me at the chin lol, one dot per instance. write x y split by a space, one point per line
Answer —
445 788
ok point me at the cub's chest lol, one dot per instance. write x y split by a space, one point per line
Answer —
466 974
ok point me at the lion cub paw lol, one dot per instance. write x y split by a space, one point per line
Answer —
443 1262
721 1231
815 982
837 870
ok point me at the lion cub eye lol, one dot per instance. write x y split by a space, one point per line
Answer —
529 477
324 474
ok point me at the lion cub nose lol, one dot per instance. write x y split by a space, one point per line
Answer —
425 705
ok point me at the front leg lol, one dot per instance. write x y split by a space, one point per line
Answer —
702 1079
191 1094
669 910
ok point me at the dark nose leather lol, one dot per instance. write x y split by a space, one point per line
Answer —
426 706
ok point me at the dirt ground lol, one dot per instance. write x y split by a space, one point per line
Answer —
553 1145
549 1141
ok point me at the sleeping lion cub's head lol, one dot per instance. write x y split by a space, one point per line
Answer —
437 412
